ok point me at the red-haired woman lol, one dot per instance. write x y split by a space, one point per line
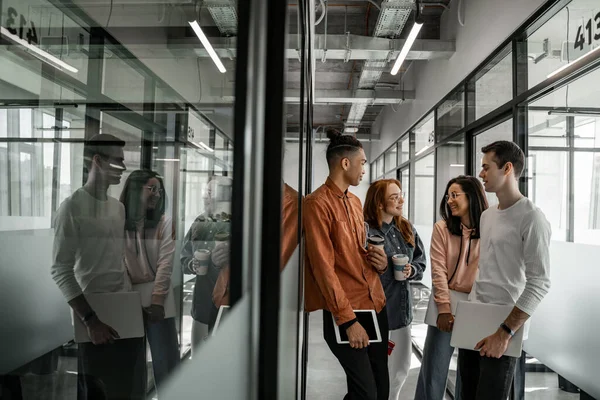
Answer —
383 213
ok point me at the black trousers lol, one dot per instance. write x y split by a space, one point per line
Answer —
114 371
366 369
485 378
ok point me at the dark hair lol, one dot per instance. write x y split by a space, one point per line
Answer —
473 190
97 145
130 197
505 151
340 146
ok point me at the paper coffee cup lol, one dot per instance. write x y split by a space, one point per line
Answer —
202 256
399 261
376 241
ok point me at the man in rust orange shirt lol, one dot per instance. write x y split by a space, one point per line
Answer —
341 275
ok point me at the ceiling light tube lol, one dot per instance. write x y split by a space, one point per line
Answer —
208 46
39 53
573 62
410 40
205 147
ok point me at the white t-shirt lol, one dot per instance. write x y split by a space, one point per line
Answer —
89 246
514 260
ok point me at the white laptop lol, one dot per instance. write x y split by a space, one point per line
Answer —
475 321
368 320
146 289
223 311
121 310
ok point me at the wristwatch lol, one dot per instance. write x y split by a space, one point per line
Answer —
507 329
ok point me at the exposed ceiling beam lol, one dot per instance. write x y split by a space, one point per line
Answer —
339 47
367 97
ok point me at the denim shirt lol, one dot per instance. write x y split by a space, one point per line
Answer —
397 293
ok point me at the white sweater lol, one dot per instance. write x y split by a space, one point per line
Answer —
514 260
89 246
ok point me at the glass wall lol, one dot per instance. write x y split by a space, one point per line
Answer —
502 131
489 88
424 191
116 167
450 163
451 115
424 135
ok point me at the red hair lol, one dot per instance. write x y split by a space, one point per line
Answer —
373 213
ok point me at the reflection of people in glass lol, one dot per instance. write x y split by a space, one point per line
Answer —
289 223
149 250
205 253
454 264
87 258
383 213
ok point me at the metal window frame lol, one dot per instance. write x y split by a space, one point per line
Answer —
522 95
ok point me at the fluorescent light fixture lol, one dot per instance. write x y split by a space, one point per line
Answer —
423 150
458 165
575 113
351 129
205 147
168 159
39 53
115 166
207 46
573 62
407 45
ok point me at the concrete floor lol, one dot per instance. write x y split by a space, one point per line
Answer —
326 379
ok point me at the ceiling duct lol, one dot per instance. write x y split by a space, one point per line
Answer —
392 19
224 14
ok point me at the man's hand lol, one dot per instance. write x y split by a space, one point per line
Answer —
445 322
494 345
155 312
100 333
220 255
357 336
377 258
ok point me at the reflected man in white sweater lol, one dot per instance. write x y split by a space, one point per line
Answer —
514 269
88 258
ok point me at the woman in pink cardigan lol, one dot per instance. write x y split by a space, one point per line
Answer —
454 262
149 251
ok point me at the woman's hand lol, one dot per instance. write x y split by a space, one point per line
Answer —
445 322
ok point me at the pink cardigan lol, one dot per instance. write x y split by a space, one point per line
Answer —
143 257
445 249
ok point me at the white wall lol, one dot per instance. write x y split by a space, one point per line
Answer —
487 24
319 168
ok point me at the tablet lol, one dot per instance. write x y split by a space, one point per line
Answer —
120 310
223 311
368 320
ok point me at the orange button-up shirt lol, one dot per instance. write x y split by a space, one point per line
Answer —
338 277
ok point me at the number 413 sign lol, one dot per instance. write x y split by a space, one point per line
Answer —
16 24
585 32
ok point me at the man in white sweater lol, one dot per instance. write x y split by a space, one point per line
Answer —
88 258
514 269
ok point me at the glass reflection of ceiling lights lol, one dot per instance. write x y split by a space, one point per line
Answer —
30 47
211 51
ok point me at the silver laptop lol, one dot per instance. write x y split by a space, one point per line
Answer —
122 311
475 321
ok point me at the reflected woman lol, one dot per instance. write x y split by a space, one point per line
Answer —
149 250
454 264
383 213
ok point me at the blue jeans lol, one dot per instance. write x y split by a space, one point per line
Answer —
164 346
437 354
